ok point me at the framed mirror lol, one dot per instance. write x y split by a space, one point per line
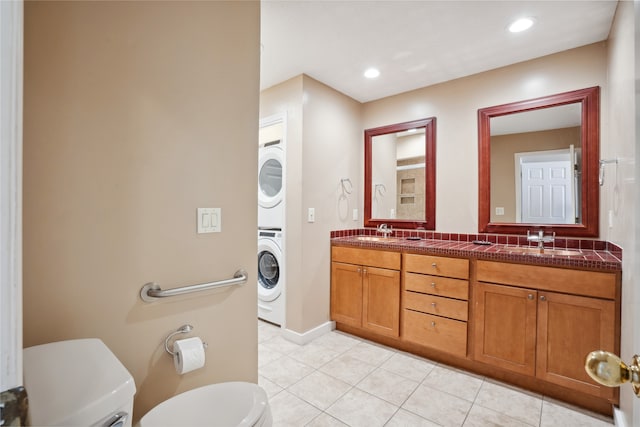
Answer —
400 175
538 165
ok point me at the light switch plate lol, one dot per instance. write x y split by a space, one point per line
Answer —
311 216
209 220
499 211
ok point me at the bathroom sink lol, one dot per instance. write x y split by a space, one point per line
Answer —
545 251
375 239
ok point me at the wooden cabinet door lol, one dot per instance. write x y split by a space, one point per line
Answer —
346 293
569 327
505 327
381 301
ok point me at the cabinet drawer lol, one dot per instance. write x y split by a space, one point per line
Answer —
436 332
436 285
373 258
577 282
437 265
439 306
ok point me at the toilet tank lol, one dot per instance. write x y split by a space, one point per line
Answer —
77 383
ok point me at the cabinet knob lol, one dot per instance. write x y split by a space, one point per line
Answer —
543 298
433 304
359 270
433 285
433 324
364 270
530 296
433 265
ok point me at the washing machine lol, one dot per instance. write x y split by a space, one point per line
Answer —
271 189
271 280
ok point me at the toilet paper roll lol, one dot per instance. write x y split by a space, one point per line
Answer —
189 355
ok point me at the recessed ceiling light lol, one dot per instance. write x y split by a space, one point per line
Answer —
372 73
521 25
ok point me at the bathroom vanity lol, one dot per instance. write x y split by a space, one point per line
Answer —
505 311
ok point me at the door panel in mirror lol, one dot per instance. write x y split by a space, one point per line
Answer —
400 175
538 163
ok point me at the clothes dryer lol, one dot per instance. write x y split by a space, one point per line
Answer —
271 188
271 280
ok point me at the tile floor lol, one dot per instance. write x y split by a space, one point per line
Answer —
342 380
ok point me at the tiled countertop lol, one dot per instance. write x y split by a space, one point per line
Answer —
607 257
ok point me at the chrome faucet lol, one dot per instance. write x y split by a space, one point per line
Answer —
385 230
541 238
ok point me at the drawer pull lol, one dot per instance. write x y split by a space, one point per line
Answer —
433 304
433 265
433 324
433 285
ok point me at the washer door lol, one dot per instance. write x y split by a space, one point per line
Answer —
270 168
269 270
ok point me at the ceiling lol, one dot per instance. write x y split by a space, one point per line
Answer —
415 43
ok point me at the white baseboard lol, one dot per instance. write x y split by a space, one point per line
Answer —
310 335
619 419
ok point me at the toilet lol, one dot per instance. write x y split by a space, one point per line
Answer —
226 404
77 383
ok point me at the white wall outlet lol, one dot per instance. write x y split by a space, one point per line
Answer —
499 211
209 220
311 216
355 214
610 218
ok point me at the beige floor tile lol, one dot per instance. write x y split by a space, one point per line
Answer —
325 420
404 418
522 406
455 382
437 406
313 354
267 331
483 417
348 369
288 410
285 371
337 341
269 386
360 409
319 389
388 386
408 366
554 415
369 353
266 355
281 344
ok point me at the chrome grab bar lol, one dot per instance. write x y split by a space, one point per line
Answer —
152 291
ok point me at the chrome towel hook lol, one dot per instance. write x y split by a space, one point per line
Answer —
346 190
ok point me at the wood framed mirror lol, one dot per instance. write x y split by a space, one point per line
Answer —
538 165
400 175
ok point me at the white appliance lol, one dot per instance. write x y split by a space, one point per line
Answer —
271 189
271 280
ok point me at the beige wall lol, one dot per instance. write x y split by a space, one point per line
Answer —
455 105
620 191
324 136
135 114
503 150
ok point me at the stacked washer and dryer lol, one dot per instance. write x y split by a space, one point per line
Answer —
271 211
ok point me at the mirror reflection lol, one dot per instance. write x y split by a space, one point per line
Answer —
538 165
536 159
400 175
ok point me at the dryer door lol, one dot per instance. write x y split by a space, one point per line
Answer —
269 270
270 171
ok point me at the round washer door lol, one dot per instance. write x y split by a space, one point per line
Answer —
270 167
269 270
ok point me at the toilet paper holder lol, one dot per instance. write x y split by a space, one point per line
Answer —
184 329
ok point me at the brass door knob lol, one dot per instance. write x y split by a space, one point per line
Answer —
609 370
